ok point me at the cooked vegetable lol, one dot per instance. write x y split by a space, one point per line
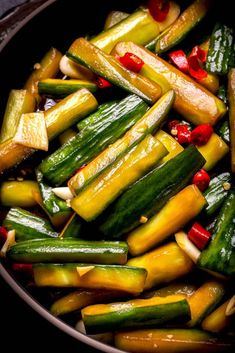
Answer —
67 135
172 263
111 183
231 97
178 211
224 132
193 101
201 179
18 193
213 151
139 27
101 112
58 118
221 49
72 228
57 88
56 208
182 26
12 154
59 166
135 313
69 250
199 236
19 102
149 194
132 221
105 65
169 340
80 298
27 225
114 17
217 320
47 68
201 134
184 288
187 246
115 277
222 244
171 145
217 192
74 71
149 123
68 111
204 300
32 132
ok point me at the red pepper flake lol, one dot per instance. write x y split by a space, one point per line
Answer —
195 68
201 54
159 9
102 83
3 233
179 58
22 267
183 134
192 64
201 179
199 236
172 125
201 134
131 62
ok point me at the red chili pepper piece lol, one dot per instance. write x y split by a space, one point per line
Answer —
195 69
22 267
3 233
159 9
102 83
131 62
199 236
179 58
183 134
201 54
201 134
172 125
201 179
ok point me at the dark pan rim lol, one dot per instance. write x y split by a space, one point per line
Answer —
18 289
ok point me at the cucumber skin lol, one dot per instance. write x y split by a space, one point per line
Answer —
216 194
219 256
69 250
149 316
150 193
102 111
27 225
221 50
87 144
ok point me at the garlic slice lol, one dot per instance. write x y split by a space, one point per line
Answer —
187 246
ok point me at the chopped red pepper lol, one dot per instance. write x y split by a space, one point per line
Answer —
201 134
183 134
22 267
201 179
159 9
201 54
3 233
131 62
102 83
199 236
195 68
172 125
179 58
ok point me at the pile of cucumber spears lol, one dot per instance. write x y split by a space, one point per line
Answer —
127 217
